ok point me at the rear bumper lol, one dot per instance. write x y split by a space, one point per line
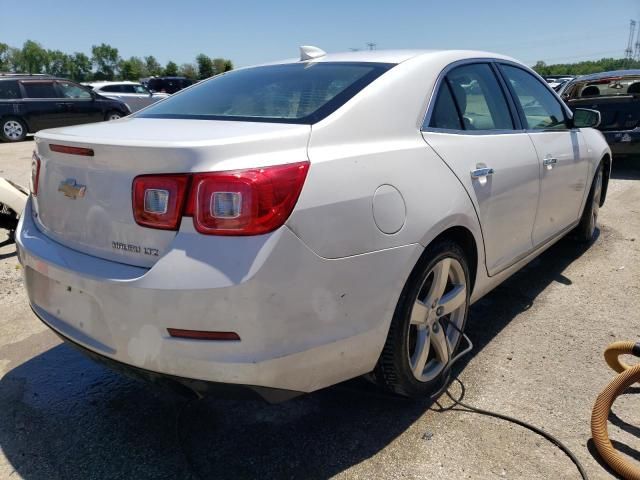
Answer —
623 143
181 385
305 322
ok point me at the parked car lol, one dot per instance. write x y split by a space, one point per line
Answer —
166 84
293 225
616 95
31 103
134 94
557 81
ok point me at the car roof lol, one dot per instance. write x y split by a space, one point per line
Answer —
397 56
102 84
612 73
26 76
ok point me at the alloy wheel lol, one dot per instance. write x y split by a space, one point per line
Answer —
437 317
13 129
597 194
114 116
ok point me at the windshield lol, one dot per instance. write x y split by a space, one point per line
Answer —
288 93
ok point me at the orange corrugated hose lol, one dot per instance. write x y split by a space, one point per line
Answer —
627 376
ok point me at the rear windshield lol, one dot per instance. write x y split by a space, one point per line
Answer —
606 87
287 93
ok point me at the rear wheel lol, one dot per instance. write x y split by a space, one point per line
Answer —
425 330
113 115
12 129
589 222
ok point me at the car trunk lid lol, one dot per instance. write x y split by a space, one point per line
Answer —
85 201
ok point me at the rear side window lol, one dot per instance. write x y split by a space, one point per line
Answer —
288 93
127 89
40 90
9 90
445 113
541 109
471 98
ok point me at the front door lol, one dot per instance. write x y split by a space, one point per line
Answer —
563 161
473 130
80 106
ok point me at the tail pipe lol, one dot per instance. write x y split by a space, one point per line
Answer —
627 376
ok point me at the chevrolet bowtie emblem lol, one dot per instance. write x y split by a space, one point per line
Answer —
72 189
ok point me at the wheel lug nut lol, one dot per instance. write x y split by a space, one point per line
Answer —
440 311
435 328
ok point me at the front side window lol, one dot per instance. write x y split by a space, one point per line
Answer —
40 90
9 90
471 98
541 109
126 88
140 89
288 93
71 90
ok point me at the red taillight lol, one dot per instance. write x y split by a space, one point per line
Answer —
245 202
238 202
35 173
158 200
202 334
86 152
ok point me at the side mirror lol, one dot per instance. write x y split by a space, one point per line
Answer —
584 118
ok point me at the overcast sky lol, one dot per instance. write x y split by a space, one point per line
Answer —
251 32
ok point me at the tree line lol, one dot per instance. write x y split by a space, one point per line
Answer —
104 63
586 67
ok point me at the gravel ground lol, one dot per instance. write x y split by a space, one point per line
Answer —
539 340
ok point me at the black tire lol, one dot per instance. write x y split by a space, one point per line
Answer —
396 366
111 114
586 229
12 129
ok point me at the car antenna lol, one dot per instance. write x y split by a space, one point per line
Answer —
309 52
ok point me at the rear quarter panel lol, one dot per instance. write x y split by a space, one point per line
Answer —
375 140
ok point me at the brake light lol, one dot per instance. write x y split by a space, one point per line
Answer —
237 202
158 200
245 202
202 334
86 152
35 173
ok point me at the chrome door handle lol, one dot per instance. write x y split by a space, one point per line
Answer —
482 172
549 161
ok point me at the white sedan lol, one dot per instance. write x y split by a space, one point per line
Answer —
134 94
293 225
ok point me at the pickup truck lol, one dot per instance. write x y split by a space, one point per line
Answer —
616 95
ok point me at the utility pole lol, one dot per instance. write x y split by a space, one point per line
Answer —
628 53
372 45
636 53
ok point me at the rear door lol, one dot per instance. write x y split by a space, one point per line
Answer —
472 126
560 149
43 105
80 106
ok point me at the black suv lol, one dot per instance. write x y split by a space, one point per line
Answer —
166 84
29 103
